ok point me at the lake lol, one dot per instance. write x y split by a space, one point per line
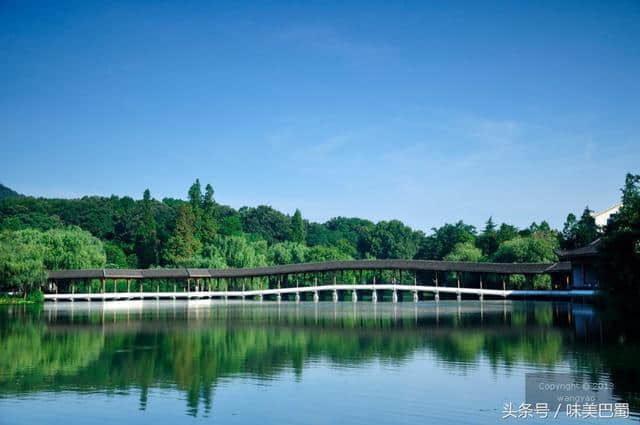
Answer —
268 363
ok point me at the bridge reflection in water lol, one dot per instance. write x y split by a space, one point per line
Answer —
139 349
297 282
146 315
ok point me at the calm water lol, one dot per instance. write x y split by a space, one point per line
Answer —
174 362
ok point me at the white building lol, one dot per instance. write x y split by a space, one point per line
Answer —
583 259
602 217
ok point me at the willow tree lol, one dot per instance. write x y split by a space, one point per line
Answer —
21 261
26 255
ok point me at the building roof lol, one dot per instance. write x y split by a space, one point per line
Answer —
590 250
611 210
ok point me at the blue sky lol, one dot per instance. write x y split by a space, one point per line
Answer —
428 112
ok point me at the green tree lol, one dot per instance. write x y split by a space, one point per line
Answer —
239 252
182 244
146 233
30 220
195 196
464 251
287 253
567 240
321 253
536 248
355 231
579 233
21 261
619 263
213 257
195 199
444 239
487 241
210 257
116 258
506 232
72 248
231 225
25 255
271 225
209 225
392 239
346 247
297 227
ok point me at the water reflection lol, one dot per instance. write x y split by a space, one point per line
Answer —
192 346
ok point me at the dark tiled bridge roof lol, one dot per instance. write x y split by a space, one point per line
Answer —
329 266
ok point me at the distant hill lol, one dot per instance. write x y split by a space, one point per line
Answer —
5 192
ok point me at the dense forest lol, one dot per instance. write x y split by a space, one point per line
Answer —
37 234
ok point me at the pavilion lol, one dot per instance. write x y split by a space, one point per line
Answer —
583 271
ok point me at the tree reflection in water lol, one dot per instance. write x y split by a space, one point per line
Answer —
84 347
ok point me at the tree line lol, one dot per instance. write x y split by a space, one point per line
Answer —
37 234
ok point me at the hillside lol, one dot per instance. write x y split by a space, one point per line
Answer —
6 192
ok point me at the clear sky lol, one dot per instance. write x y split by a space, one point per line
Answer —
428 112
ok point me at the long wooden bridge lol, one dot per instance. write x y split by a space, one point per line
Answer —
313 280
